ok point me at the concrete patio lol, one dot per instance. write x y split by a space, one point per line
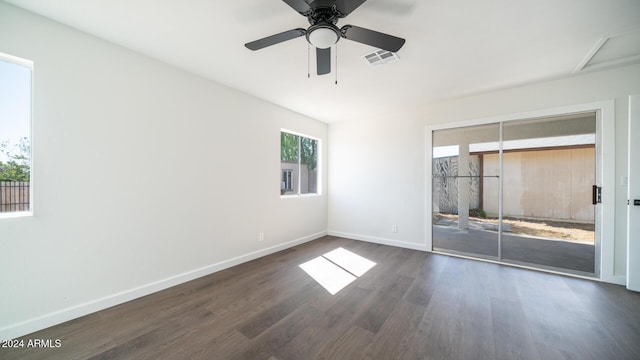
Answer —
481 238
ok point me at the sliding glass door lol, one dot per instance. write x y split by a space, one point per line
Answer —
549 171
460 182
518 192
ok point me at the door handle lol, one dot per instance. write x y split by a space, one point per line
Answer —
596 195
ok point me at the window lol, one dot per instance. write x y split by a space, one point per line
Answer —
298 164
15 136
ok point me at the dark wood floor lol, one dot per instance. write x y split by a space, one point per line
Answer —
411 305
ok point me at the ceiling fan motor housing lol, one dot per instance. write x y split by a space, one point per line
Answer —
324 14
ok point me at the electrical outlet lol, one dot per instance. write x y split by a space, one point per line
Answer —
260 236
394 228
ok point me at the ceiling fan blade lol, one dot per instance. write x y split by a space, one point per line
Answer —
373 38
323 60
345 7
275 39
299 5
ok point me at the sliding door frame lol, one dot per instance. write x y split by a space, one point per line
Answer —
605 177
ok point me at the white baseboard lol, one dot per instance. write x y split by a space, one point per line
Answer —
615 279
42 322
378 240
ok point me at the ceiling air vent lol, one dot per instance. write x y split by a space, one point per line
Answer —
380 57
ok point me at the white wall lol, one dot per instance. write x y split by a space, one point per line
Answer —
378 170
118 140
377 181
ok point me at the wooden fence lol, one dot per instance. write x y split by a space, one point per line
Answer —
14 196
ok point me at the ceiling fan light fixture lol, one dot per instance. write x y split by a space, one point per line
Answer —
322 37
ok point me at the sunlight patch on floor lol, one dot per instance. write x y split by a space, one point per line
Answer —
337 269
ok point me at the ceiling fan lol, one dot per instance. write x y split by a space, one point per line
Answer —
323 16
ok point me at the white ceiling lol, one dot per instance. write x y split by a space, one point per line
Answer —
453 48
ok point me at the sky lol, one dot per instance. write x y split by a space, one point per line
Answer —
15 102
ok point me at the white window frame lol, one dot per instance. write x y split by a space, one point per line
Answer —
29 64
318 164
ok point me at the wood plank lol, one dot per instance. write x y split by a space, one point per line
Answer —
351 345
397 336
512 338
376 312
255 325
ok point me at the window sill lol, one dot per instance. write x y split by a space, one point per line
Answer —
293 196
17 214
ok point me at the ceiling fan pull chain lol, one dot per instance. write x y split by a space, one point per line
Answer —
308 60
336 64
